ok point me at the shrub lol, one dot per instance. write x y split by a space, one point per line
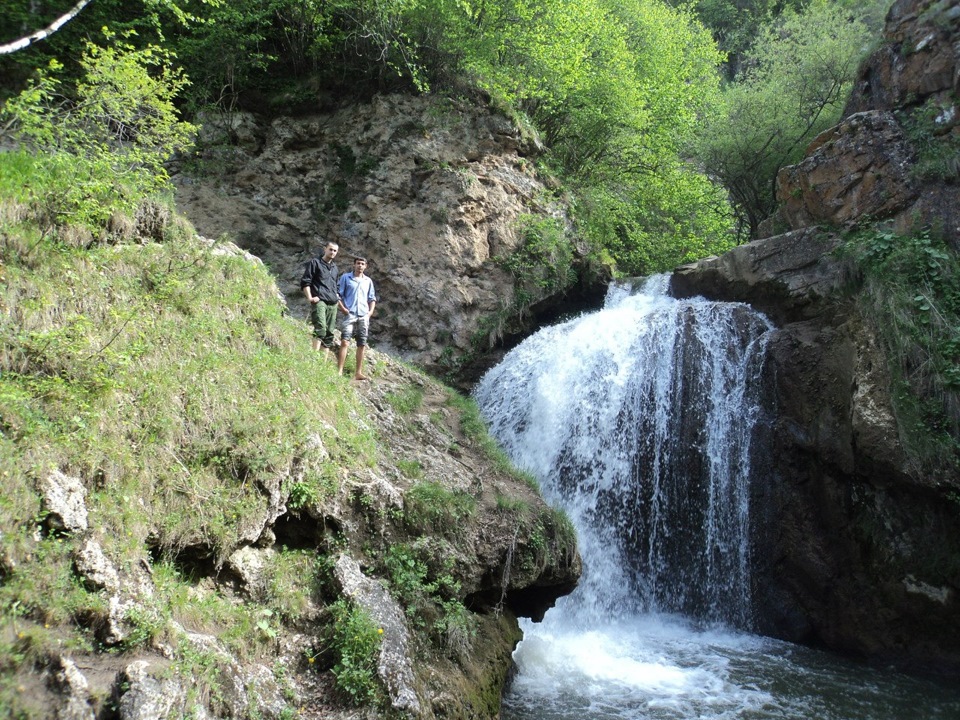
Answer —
357 642
912 297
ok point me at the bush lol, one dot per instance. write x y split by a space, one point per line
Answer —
97 147
357 641
912 297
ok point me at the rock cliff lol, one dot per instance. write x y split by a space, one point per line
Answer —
856 544
433 192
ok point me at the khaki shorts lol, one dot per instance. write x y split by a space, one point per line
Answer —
360 325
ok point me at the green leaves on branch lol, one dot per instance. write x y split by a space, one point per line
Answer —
101 145
795 79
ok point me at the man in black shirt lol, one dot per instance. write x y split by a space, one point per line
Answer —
319 287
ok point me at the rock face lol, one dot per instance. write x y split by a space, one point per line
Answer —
860 167
856 546
868 165
431 192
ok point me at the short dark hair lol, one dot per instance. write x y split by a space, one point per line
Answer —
362 259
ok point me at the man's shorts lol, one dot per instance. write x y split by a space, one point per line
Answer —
352 323
324 319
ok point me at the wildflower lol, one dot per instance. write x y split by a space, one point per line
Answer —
379 631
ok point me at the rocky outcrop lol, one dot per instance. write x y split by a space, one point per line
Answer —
431 191
918 59
896 154
433 494
860 168
856 545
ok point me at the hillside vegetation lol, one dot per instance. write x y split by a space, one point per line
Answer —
665 122
163 422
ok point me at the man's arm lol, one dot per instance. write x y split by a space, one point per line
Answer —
306 281
371 298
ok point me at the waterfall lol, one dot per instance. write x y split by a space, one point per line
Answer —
638 421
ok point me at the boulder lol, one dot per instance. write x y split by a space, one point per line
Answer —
860 168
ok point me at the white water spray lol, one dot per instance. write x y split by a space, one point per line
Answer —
638 420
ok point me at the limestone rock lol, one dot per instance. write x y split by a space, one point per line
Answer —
786 276
147 697
76 692
395 666
64 497
430 191
95 568
248 563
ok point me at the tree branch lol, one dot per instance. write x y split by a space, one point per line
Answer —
23 42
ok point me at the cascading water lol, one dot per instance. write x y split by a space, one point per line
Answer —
639 421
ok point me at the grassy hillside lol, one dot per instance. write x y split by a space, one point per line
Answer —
166 378
181 472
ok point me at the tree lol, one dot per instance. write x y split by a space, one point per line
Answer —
795 81
102 143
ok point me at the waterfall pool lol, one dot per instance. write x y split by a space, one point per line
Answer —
657 667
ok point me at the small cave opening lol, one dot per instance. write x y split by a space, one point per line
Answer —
303 532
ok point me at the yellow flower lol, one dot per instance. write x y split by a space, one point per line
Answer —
309 660
380 631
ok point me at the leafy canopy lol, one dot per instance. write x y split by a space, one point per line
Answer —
101 145
796 78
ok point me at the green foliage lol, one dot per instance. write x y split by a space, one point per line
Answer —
793 84
543 264
689 219
912 296
431 505
93 381
412 469
421 577
356 639
938 149
99 147
407 400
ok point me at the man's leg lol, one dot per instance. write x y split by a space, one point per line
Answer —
329 323
359 374
342 356
317 322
